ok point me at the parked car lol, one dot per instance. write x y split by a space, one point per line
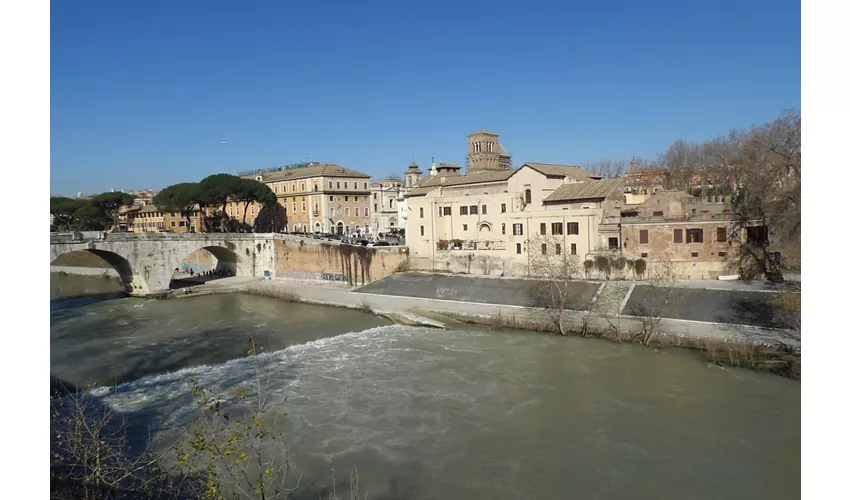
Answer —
378 244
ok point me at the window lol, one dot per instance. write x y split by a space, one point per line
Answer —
483 209
284 188
473 210
543 229
347 211
694 235
303 187
421 230
543 249
519 248
517 229
421 212
357 198
345 185
355 185
721 234
644 237
503 228
337 184
357 211
315 187
573 249
557 249
182 223
464 210
658 213
504 207
527 196
465 227
346 198
330 185
447 210
303 207
557 228
252 209
440 211
366 211
572 227
644 255
677 236
721 254
694 254
173 224
757 234
613 243
331 198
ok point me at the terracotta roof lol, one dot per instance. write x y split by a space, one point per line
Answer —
321 170
420 191
471 178
585 190
576 173
646 171
152 208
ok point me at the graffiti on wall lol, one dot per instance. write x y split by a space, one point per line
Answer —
196 268
304 275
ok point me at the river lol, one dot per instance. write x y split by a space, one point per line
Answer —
466 413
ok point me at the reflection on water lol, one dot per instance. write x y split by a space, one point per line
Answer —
468 413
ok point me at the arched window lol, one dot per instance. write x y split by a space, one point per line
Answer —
527 196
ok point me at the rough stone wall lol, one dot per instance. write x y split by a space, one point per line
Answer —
306 258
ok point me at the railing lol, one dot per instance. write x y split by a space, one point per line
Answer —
678 218
446 245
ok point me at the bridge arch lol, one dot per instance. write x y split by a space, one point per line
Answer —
117 262
206 263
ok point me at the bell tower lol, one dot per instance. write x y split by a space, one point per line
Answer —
482 153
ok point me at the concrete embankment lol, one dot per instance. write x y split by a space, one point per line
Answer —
602 314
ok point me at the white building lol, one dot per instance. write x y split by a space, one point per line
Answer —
411 180
385 196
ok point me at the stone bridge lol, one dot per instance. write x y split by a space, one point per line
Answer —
146 261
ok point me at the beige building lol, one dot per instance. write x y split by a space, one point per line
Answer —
321 198
483 222
385 200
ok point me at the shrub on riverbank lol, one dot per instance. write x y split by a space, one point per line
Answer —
231 450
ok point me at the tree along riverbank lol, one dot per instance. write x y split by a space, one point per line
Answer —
768 349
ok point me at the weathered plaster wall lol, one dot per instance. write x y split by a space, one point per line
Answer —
306 258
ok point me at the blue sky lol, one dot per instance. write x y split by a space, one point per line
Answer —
144 93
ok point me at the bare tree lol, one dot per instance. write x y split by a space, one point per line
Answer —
607 168
660 287
90 456
554 271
